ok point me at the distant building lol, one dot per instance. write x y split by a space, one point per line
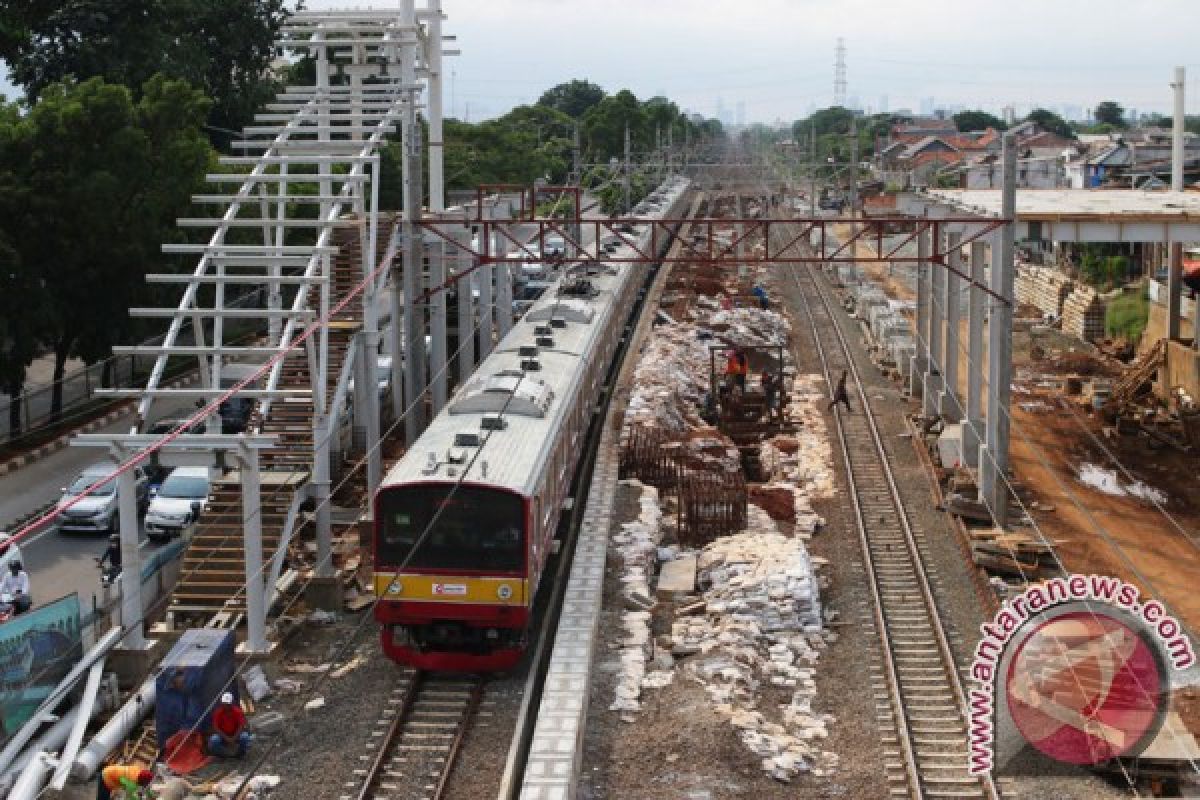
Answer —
1139 158
987 172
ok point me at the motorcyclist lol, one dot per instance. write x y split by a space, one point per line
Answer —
16 585
111 555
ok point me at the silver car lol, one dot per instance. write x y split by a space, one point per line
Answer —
97 512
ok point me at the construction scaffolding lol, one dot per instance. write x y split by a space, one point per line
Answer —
302 224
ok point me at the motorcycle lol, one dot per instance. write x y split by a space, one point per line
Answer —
11 606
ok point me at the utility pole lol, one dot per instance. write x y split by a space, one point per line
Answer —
853 166
575 153
626 180
993 458
670 146
1175 267
812 146
414 327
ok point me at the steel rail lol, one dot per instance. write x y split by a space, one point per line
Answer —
379 778
918 774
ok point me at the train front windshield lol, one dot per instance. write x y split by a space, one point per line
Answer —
476 529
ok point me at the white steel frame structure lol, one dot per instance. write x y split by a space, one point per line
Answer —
369 66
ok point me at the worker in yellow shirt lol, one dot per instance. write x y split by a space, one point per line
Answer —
132 776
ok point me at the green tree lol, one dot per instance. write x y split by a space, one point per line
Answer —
21 290
1110 113
834 119
224 47
573 98
1051 122
977 121
604 125
104 179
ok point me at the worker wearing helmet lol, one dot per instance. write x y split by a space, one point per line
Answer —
16 585
129 778
229 738
112 557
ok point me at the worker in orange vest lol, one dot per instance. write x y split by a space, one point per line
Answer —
128 777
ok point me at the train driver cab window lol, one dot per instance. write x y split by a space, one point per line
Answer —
432 527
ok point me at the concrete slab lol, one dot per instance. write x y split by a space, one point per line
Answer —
677 577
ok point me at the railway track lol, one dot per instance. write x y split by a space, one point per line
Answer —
416 740
920 698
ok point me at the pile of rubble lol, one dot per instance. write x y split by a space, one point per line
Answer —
746 327
670 380
761 626
798 465
757 624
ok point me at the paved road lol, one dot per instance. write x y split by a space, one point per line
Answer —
60 563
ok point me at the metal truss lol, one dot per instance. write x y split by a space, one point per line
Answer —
307 167
781 240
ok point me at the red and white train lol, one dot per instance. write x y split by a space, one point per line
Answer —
464 523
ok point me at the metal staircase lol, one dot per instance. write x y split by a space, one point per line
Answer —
303 223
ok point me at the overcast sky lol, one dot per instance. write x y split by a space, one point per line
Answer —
776 57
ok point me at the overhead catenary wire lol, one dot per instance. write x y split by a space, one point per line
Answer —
1025 576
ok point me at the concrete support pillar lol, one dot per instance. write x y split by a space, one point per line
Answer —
993 456
920 360
437 326
370 341
973 424
951 400
366 407
414 322
466 310
503 290
487 304
1177 130
256 603
1174 291
131 562
437 192
321 484
396 339
937 316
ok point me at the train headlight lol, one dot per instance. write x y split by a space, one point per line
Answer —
504 592
394 587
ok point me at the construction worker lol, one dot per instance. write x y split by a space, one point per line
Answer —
840 395
763 301
130 779
737 368
229 738
732 366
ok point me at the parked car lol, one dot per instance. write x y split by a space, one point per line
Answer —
98 511
178 502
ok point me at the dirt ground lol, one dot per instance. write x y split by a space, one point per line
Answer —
1097 532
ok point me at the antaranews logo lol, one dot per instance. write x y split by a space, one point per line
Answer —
1078 667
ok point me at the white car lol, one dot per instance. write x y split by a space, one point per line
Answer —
178 502
98 510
